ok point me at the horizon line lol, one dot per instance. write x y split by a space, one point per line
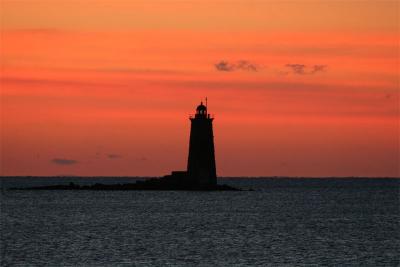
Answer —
221 177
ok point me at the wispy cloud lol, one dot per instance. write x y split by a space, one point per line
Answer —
242 65
318 68
224 66
62 161
114 156
302 69
297 68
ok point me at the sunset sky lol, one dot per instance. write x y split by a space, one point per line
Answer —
297 88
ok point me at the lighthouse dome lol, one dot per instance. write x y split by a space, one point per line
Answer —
201 111
201 107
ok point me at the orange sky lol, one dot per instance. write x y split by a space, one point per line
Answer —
106 87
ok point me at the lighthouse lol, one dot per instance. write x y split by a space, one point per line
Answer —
201 170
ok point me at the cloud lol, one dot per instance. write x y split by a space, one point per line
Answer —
224 66
246 65
243 65
297 68
61 161
302 69
317 68
114 156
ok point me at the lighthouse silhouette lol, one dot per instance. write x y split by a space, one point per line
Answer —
201 170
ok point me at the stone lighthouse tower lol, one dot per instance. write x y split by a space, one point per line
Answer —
201 168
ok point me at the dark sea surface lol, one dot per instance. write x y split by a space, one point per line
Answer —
284 222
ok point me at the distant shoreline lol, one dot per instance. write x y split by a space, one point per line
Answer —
224 183
126 187
223 177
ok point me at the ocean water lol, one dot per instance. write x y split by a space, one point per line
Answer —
284 222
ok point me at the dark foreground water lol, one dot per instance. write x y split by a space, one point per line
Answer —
288 222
